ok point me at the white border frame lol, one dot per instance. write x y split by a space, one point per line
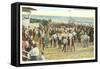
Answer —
22 62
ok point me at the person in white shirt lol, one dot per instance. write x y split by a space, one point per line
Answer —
34 53
71 41
55 40
70 35
65 41
74 34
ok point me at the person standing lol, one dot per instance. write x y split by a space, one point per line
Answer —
55 40
42 39
71 41
64 44
46 40
59 40
85 40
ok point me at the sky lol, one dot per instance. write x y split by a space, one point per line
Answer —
54 11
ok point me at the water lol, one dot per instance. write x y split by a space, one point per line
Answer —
64 19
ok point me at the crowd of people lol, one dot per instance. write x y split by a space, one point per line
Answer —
61 36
